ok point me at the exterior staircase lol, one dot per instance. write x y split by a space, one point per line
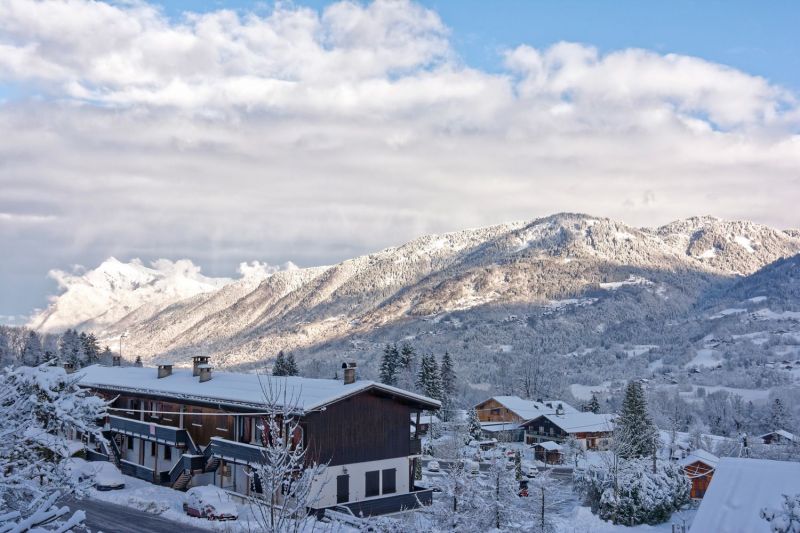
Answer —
183 480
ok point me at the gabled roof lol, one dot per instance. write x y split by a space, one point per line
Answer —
548 445
580 422
494 427
783 433
702 456
738 492
236 389
528 409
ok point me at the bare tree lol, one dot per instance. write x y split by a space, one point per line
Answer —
287 482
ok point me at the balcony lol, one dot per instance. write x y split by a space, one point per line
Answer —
236 452
415 447
394 503
153 432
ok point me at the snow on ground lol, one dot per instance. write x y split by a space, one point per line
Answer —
726 312
754 395
757 299
769 314
580 302
708 254
632 280
655 365
704 357
583 521
640 349
745 243
584 392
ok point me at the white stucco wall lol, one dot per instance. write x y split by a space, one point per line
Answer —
358 481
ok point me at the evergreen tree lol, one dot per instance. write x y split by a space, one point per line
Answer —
106 357
518 465
6 354
429 381
635 433
474 424
291 366
91 348
70 348
279 367
594 405
405 358
778 418
448 376
32 353
389 364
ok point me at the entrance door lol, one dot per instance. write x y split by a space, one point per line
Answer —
342 489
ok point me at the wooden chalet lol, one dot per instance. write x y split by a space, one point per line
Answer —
502 416
189 427
592 431
780 436
548 452
699 468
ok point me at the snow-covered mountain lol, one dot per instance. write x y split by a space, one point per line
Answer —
573 272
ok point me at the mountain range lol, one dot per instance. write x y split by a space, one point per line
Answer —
561 285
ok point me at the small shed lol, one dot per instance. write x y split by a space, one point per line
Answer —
780 436
548 452
699 467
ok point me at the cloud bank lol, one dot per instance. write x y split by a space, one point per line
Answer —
291 133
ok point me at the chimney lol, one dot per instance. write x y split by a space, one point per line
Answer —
197 361
69 367
164 370
349 368
204 372
116 360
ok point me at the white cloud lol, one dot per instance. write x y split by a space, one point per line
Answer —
229 137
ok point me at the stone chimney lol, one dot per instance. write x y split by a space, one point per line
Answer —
116 360
164 369
197 361
349 368
69 367
204 371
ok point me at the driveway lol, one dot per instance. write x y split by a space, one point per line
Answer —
112 518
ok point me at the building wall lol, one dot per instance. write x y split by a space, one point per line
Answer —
493 411
357 472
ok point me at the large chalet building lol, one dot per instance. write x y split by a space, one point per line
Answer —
189 427
542 421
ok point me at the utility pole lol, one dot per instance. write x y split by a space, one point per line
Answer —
120 343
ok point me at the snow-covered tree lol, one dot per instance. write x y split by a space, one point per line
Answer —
594 405
635 435
448 377
38 406
285 484
32 352
778 417
279 367
291 366
389 365
474 424
429 381
787 518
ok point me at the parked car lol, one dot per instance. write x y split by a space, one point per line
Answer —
471 467
433 466
529 470
102 474
210 502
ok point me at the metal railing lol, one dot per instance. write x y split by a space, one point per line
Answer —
151 431
138 471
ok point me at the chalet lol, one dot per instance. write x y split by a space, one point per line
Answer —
515 409
189 427
592 431
740 490
779 437
423 426
699 467
548 452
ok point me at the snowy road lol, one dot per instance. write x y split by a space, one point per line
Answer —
112 518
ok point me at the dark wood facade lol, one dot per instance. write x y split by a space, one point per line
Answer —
493 411
364 427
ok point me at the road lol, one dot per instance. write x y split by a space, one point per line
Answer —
112 518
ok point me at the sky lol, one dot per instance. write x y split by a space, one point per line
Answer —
224 132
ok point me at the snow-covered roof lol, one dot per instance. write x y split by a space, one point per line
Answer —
738 492
234 388
549 446
493 427
582 422
783 433
528 409
700 455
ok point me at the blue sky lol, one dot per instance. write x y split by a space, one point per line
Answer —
760 38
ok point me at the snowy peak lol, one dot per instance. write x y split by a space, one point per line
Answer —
104 295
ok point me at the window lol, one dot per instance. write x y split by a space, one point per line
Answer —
373 487
389 481
495 411
153 448
541 430
130 442
167 452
